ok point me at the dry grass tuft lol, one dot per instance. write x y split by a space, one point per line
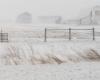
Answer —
90 55
13 58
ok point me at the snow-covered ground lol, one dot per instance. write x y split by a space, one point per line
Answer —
28 57
26 45
75 71
49 52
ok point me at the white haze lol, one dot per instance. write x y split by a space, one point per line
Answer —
68 9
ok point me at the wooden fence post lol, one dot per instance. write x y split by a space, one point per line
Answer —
93 33
45 35
70 34
1 35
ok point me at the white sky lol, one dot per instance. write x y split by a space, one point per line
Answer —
69 9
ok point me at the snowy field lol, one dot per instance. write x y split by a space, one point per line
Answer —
49 52
26 45
27 57
75 71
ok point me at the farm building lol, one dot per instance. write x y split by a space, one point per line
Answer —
24 18
50 19
92 18
96 15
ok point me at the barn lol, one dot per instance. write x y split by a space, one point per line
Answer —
24 18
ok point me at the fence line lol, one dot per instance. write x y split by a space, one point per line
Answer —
69 32
4 36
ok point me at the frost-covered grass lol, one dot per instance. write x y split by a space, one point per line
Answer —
48 53
13 58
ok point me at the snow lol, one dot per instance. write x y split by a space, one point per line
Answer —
49 52
77 71
56 59
27 42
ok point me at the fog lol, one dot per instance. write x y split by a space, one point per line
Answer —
68 9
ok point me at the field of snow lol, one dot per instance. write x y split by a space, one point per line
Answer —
75 71
49 52
27 57
26 45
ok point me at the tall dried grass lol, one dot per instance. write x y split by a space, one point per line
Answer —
91 55
13 58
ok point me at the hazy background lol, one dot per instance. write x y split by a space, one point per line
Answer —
69 9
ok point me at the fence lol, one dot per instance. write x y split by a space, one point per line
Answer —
3 37
69 33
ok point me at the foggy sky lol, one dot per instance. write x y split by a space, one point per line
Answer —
69 9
